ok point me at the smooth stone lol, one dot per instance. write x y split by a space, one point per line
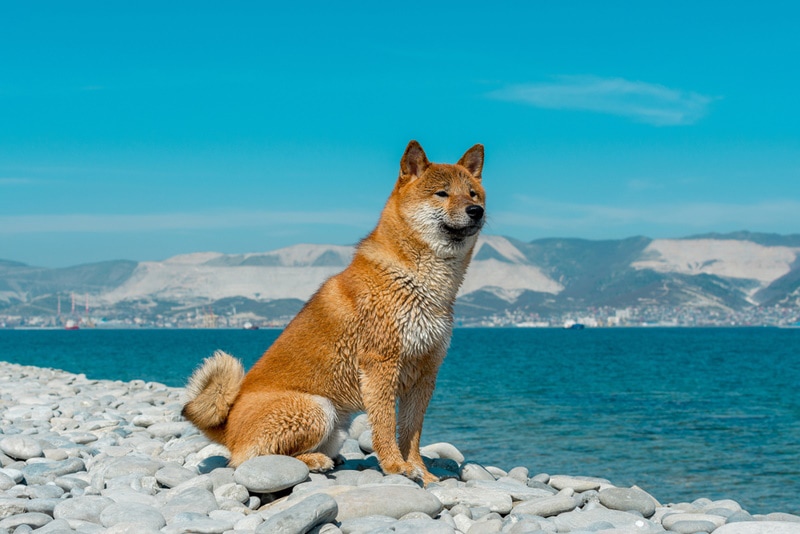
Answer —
302 517
168 429
627 499
211 463
11 506
86 508
127 528
516 489
6 482
359 425
44 506
21 447
494 499
576 483
693 527
200 525
32 519
130 465
232 491
196 500
579 520
56 526
547 506
130 512
268 474
519 473
371 523
421 526
486 527
727 504
462 522
761 527
365 441
383 499
44 472
738 517
443 450
780 516
472 471
171 476
669 520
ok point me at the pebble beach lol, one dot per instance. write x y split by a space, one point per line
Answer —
84 455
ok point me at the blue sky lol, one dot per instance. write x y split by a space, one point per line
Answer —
139 130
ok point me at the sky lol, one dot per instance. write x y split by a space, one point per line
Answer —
142 130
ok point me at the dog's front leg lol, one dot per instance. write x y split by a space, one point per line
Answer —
413 404
379 378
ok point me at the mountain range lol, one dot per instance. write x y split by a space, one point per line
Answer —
544 278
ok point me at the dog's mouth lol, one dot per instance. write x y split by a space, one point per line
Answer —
459 233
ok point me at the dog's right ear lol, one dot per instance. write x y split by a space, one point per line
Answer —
414 162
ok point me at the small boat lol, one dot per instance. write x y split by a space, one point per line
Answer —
250 326
573 325
71 325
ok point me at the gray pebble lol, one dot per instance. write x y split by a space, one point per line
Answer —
171 476
268 474
32 519
87 508
627 499
576 483
145 515
194 500
212 462
443 450
302 517
473 471
762 527
421 526
472 497
44 472
6 482
692 527
21 447
547 506
385 499
365 441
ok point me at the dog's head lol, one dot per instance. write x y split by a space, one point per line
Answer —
444 204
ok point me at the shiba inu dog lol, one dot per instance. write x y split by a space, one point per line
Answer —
372 337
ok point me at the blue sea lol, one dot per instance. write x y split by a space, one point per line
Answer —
682 413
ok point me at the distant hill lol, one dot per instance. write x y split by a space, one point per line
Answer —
728 272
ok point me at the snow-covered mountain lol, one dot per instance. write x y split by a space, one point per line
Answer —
726 271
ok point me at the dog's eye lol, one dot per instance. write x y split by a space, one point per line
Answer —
442 194
472 193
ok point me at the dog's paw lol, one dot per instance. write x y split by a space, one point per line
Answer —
316 461
409 470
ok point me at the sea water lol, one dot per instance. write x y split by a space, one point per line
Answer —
682 413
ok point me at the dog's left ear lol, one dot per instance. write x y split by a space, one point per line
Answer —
414 160
472 160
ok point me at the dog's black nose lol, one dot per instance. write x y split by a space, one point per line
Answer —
475 212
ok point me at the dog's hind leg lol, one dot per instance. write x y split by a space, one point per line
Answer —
282 422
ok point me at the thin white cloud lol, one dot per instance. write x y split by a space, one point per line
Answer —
585 219
639 101
108 223
8 181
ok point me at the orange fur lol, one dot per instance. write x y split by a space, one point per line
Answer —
371 337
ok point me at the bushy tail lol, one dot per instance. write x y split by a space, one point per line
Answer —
211 391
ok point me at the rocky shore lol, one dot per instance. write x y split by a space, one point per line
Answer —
82 455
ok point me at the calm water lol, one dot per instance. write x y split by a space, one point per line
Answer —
683 413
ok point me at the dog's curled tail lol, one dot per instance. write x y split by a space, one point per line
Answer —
211 391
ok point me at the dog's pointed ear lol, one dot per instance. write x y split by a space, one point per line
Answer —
472 160
414 161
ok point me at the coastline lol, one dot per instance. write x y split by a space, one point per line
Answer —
84 455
